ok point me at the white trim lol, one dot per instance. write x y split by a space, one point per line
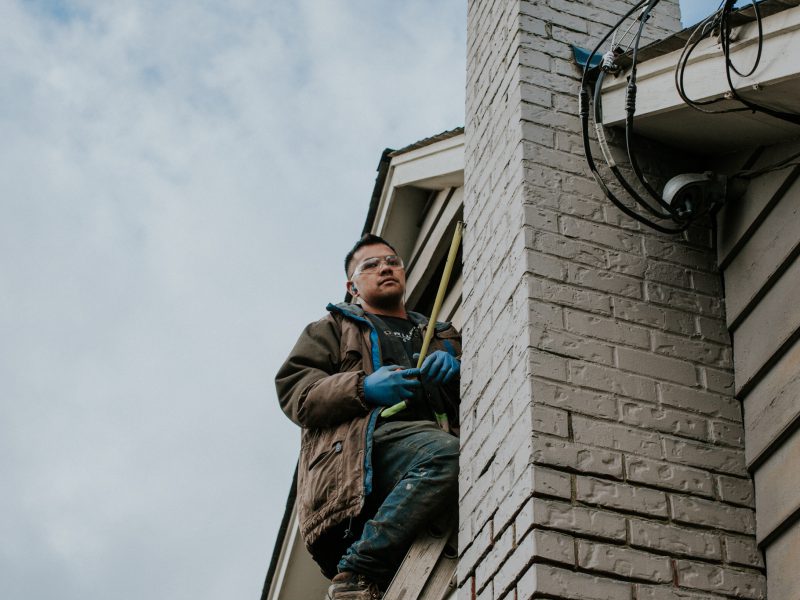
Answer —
297 575
436 166
286 553
662 114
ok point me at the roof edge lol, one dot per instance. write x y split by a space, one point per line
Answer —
445 135
380 180
276 552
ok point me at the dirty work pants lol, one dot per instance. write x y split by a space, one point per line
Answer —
415 474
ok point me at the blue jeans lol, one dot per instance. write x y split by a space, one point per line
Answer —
415 477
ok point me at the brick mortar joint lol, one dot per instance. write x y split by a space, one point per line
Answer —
668 492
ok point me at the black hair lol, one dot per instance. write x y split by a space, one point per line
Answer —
367 239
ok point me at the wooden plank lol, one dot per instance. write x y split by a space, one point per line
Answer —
772 405
457 318
452 301
417 567
418 273
738 219
442 583
429 220
783 576
778 488
774 245
767 331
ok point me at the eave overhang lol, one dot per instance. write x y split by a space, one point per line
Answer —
662 115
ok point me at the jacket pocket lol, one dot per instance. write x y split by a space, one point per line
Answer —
335 449
323 474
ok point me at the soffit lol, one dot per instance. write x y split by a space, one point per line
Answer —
662 115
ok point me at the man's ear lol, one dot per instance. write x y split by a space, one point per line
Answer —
351 287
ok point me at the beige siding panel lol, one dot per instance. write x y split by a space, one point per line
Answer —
735 219
429 222
772 404
458 319
424 263
778 487
763 253
783 558
451 302
770 325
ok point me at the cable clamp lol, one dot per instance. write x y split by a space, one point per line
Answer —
609 63
601 139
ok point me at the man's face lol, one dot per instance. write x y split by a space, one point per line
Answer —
384 286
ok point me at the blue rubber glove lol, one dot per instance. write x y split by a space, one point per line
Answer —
439 367
390 384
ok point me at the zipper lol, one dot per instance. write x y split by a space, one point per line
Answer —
348 533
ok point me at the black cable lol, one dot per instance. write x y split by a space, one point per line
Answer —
703 29
784 163
630 110
726 50
597 106
583 101
720 21
756 62
707 26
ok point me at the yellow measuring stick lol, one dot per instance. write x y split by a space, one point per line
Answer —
437 305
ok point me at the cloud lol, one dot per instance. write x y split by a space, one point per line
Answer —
180 181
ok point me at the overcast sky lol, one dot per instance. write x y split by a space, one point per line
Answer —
179 183
692 11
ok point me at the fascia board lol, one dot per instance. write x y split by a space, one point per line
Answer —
289 541
434 148
426 167
297 575
436 166
433 251
387 198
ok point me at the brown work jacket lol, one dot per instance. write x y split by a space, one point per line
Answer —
321 388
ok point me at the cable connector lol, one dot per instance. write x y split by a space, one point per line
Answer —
630 98
583 104
609 63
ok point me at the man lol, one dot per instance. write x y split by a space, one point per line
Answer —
366 484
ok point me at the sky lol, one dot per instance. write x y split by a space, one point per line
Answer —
693 11
180 182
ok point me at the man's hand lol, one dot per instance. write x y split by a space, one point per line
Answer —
439 367
390 384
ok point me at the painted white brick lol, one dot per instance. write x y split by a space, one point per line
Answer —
662 474
621 496
679 541
708 513
733 582
618 560
618 437
548 581
742 551
599 370
575 519
557 452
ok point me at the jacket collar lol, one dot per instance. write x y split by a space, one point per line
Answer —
354 311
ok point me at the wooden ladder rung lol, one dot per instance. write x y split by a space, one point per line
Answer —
428 569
